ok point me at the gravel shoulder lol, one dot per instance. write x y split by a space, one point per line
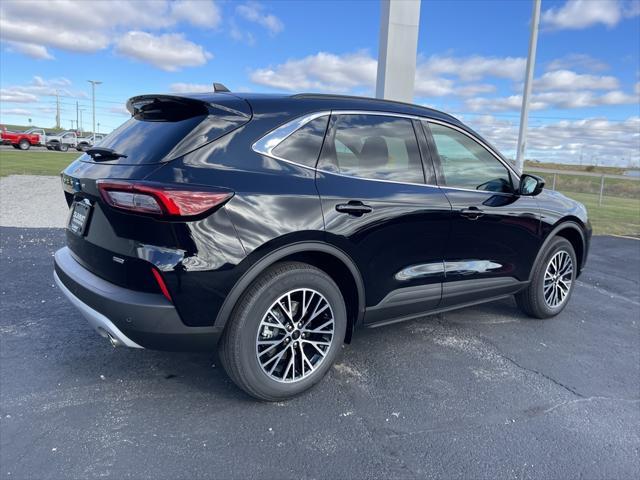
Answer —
32 201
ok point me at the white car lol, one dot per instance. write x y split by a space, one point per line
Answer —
84 143
62 141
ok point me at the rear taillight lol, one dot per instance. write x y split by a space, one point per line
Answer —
160 200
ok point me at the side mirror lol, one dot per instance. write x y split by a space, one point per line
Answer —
530 185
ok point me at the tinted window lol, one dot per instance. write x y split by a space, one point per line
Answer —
148 141
303 146
467 164
377 147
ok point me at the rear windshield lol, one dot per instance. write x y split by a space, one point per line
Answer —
163 128
148 141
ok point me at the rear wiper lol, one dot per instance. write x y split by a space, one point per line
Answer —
100 154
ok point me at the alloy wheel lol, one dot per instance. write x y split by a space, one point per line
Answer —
557 279
295 335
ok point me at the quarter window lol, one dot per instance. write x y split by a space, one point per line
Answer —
376 147
303 146
467 164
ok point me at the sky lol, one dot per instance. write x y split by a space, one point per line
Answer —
471 62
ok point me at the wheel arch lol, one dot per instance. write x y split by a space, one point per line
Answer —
328 258
574 233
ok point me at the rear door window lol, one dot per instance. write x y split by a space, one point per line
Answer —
303 146
376 147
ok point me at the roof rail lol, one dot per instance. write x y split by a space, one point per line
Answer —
381 100
218 87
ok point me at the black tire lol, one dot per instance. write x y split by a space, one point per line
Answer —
83 147
532 300
24 144
63 147
237 347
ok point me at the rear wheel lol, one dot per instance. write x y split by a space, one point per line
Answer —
285 332
63 147
552 283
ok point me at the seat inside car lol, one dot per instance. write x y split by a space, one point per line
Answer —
374 153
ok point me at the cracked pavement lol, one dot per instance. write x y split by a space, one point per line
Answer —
478 393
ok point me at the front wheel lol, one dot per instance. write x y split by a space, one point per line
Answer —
63 147
24 144
285 332
552 283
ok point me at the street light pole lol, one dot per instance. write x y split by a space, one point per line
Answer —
93 102
531 60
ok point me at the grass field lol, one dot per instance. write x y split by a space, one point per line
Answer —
34 162
618 215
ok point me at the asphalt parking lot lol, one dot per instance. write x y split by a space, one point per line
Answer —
479 393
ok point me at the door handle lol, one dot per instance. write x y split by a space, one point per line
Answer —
472 213
354 207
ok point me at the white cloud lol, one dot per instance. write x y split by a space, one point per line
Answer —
94 25
579 14
474 89
579 61
240 35
509 103
321 72
47 34
191 88
16 111
197 12
39 86
611 142
557 99
254 12
569 80
170 51
475 67
120 110
436 76
30 50
9 95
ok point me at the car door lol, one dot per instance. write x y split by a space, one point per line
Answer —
380 207
495 233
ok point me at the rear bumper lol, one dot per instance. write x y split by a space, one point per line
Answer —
128 317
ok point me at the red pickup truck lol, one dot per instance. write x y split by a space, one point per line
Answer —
23 140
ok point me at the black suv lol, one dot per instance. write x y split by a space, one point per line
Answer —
271 226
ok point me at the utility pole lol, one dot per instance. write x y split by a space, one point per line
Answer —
98 128
93 101
581 149
57 110
531 60
77 115
81 124
71 124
